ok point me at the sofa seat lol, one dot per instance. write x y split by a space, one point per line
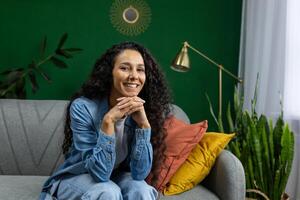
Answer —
199 192
29 188
21 187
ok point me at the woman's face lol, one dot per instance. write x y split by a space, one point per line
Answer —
128 74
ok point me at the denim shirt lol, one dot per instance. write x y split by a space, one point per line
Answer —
93 151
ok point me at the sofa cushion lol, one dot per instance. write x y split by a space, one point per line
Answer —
197 193
21 187
31 136
180 140
199 163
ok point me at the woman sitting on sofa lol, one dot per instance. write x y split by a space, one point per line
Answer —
112 124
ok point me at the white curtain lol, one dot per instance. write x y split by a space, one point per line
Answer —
270 46
292 88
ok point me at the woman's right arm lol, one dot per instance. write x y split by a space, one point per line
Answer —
97 148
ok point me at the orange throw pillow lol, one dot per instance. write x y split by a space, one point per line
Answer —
180 140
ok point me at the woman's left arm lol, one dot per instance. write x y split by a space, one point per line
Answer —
141 154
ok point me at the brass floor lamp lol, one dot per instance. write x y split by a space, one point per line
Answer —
182 64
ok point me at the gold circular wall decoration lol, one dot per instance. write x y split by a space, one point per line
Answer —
130 17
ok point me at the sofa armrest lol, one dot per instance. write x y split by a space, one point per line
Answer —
227 177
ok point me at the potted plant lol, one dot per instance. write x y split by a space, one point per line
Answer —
266 149
13 80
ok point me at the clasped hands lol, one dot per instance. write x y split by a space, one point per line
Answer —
133 106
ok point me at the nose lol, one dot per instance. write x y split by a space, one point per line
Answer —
133 75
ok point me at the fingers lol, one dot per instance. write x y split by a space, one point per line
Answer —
124 111
139 99
123 100
134 110
120 98
130 102
129 105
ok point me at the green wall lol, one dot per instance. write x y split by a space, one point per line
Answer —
211 26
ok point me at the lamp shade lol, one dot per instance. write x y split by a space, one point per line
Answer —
182 62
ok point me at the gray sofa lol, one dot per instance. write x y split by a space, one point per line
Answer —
31 134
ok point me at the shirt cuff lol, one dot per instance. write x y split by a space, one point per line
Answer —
105 141
143 134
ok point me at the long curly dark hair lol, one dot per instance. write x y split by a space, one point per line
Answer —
155 92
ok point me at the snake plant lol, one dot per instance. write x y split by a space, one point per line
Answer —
265 150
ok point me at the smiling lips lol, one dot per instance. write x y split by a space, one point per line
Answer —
131 85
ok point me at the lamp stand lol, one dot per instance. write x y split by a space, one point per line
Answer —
220 68
181 64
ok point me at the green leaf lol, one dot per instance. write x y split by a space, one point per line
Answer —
271 145
59 63
245 126
254 100
276 194
220 122
62 41
277 133
45 76
285 142
234 147
236 100
255 138
20 91
43 47
63 53
286 156
229 119
8 71
261 127
14 76
34 84
71 50
250 173
212 110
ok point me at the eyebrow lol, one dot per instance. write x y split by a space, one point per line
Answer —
127 63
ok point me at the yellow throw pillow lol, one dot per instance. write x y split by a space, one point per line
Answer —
199 163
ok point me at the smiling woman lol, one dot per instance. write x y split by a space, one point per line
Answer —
114 130
128 74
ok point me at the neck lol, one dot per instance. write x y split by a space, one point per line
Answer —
113 100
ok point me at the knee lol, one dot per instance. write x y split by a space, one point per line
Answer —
139 190
111 193
103 191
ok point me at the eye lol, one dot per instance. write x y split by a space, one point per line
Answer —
124 68
140 69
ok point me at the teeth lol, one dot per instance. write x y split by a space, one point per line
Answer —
131 85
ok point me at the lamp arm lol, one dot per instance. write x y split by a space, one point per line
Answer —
213 62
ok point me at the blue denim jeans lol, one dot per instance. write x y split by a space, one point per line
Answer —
121 187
